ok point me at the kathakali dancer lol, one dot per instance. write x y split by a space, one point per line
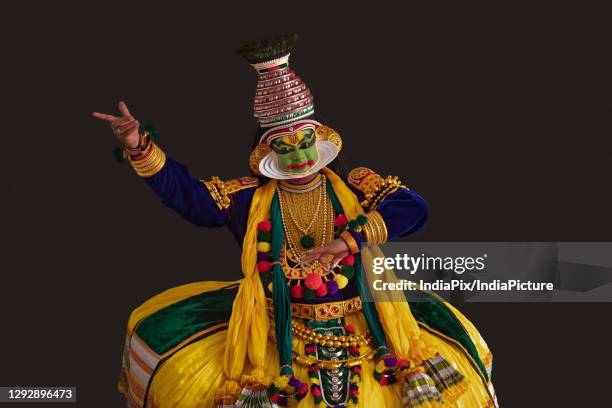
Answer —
295 330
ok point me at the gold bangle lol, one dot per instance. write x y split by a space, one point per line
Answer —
151 163
376 229
350 241
368 232
381 226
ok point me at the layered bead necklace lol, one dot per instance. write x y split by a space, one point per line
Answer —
307 214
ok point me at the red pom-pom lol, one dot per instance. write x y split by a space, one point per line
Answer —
316 391
264 226
349 328
264 266
303 389
322 291
383 381
313 281
348 260
340 220
402 363
296 292
354 349
276 398
311 162
357 370
354 393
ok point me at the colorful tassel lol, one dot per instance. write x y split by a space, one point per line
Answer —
341 220
332 287
264 266
348 260
313 281
341 280
264 226
296 292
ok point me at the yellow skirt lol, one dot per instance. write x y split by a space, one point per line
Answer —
189 377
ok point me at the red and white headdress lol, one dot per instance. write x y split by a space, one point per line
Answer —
283 104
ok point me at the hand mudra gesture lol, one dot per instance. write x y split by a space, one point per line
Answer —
124 127
329 255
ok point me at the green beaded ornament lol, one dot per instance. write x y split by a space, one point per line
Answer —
307 241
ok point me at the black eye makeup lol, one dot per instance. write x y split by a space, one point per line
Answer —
281 148
308 141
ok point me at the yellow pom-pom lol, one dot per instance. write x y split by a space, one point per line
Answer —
341 280
322 404
282 381
315 381
263 246
270 286
356 379
380 366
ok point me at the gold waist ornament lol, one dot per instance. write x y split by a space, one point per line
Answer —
321 311
333 364
329 340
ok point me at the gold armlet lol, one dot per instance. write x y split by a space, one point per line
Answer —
151 163
219 192
375 230
388 185
350 241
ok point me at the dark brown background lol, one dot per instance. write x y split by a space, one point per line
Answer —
498 115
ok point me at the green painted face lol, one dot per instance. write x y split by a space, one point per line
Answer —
296 152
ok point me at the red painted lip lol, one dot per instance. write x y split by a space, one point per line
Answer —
298 166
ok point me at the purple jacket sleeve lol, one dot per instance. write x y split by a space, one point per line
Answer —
186 195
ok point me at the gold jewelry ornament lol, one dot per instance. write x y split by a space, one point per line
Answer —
219 192
333 364
328 134
306 213
374 187
151 163
260 151
311 336
387 186
321 311
375 230
350 241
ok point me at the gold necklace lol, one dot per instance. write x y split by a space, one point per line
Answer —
314 216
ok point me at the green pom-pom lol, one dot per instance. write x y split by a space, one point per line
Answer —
307 241
150 128
348 271
264 236
308 293
119 154
362 219
353 224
